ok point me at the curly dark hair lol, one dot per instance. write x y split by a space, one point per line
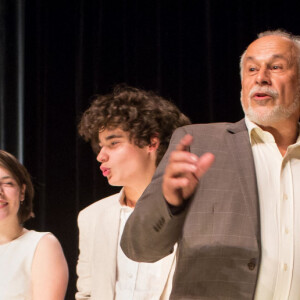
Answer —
143 114
21 175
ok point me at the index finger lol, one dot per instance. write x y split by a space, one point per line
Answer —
184 143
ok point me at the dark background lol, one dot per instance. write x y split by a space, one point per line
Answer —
188 51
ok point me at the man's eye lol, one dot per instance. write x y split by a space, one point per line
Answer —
114 143
276 67
252 69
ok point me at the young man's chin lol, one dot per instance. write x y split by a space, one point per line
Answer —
113 183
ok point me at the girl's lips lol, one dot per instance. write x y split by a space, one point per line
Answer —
3 204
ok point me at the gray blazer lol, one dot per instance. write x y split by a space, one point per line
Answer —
218 232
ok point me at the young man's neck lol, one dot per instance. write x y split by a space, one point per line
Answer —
132 195
133 192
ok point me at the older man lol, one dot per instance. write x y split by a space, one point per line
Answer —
230 193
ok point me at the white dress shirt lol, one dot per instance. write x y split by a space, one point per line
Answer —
278 181
136 281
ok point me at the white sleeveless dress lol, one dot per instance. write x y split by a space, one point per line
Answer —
15 266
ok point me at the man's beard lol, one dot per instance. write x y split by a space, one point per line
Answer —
273 114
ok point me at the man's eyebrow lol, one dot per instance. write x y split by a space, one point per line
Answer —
279 56
249 58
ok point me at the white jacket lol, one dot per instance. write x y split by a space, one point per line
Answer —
98 244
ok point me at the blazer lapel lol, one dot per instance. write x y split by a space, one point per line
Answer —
106 248
241 149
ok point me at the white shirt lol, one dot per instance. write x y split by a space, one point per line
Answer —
278 180
136 281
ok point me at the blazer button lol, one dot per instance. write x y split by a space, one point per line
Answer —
252 264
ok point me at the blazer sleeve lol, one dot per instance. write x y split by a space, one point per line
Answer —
151 231
84 260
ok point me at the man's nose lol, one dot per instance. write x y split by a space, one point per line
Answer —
263 76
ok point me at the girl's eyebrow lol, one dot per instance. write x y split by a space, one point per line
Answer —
6 177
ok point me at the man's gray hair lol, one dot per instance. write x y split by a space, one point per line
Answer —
279 32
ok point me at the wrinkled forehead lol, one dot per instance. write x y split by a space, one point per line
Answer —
271 46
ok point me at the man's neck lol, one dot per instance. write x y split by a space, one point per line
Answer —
285 134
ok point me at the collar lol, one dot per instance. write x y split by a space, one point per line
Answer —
122 202
254 129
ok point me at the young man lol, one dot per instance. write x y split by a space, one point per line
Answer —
130 128
236 219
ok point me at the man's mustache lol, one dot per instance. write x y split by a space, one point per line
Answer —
263 90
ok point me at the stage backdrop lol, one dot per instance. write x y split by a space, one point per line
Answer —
188 51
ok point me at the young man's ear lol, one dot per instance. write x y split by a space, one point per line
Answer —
154 143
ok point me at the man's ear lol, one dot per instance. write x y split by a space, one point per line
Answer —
154 144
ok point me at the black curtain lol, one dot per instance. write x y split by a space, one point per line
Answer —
12 77
188 51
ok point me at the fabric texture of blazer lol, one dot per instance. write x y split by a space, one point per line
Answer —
98 243
218 231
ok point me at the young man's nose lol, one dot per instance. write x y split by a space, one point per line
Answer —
102 156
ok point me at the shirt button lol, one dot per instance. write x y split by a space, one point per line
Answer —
285 267
286 231
285 197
